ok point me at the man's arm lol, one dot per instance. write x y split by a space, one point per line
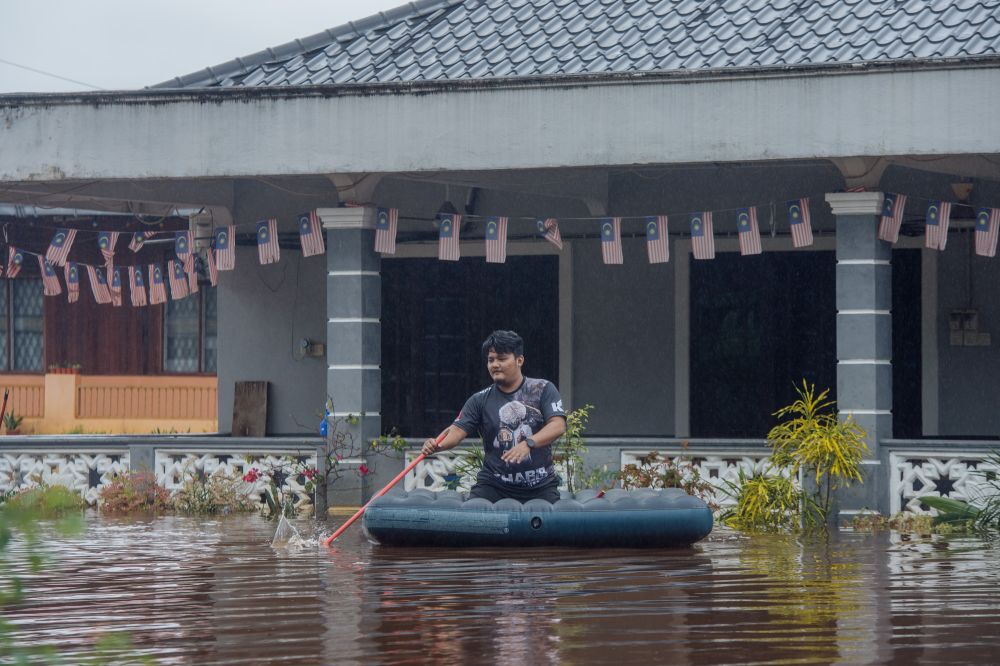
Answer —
453 436
550 432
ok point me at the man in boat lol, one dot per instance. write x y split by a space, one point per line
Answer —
518 419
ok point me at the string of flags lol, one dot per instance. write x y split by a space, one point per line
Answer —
182 272
107 281
701 230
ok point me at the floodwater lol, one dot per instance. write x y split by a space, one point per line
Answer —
214 591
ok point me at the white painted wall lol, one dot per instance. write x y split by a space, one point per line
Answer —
429 127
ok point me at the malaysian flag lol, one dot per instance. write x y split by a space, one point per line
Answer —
72 275
106 240
987 221
549 230
178 280
182 248
892 217
136 288
138 238
225 256
157 290
798 219
267 241
702 235
311 234
15 257
59 248
749 232
115 278
386 221
936 227
611 240
448 237
657 242
50 283
213 271
98 285
496 240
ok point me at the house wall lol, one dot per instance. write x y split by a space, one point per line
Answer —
263 312
623 361
968 376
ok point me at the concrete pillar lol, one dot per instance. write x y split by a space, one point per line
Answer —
354 342
864 339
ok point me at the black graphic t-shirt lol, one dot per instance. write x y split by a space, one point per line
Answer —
502 420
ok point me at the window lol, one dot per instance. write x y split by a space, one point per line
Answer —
22 327
190 333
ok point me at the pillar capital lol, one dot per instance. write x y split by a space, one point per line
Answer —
855 203
354 217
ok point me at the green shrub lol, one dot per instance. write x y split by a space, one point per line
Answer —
219 493
45 501
763 502
134 492
813 438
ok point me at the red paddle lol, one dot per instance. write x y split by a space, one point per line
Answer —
350 521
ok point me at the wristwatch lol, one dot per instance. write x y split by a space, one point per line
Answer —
529 442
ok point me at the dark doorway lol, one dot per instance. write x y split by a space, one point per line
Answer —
435 315
759 325
907 411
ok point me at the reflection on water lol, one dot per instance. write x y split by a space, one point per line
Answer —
193 591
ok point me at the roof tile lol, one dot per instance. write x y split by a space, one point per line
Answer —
450 39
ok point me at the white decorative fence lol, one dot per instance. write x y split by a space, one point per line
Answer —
954 474
87 471
173 466
437 472
84 470
716 468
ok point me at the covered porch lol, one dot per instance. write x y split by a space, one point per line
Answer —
686 351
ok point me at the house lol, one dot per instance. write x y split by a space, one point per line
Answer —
585 111
72 364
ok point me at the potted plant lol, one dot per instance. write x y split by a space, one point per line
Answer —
12 422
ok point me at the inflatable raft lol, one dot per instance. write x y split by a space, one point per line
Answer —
642 518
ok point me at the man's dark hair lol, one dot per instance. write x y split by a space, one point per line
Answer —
504 342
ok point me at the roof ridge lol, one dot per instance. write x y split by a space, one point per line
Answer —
244 64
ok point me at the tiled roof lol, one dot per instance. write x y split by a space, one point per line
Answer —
433 40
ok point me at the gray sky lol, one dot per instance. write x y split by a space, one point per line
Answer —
124 44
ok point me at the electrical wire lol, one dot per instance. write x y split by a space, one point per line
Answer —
55 76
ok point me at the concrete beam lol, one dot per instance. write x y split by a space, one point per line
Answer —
641 119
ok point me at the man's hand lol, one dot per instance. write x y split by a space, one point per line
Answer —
517 453
429 448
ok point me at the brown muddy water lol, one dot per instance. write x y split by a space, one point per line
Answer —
199 591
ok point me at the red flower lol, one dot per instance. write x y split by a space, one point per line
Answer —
309 473
363 470
253 475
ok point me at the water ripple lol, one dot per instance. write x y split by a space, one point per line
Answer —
214 592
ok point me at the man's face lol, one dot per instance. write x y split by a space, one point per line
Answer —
503 368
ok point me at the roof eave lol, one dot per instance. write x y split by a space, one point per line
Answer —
164 95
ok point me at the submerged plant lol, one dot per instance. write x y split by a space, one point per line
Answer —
981 515
218 493
571 447
815 439
46 501
134 491
654 471
764 501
